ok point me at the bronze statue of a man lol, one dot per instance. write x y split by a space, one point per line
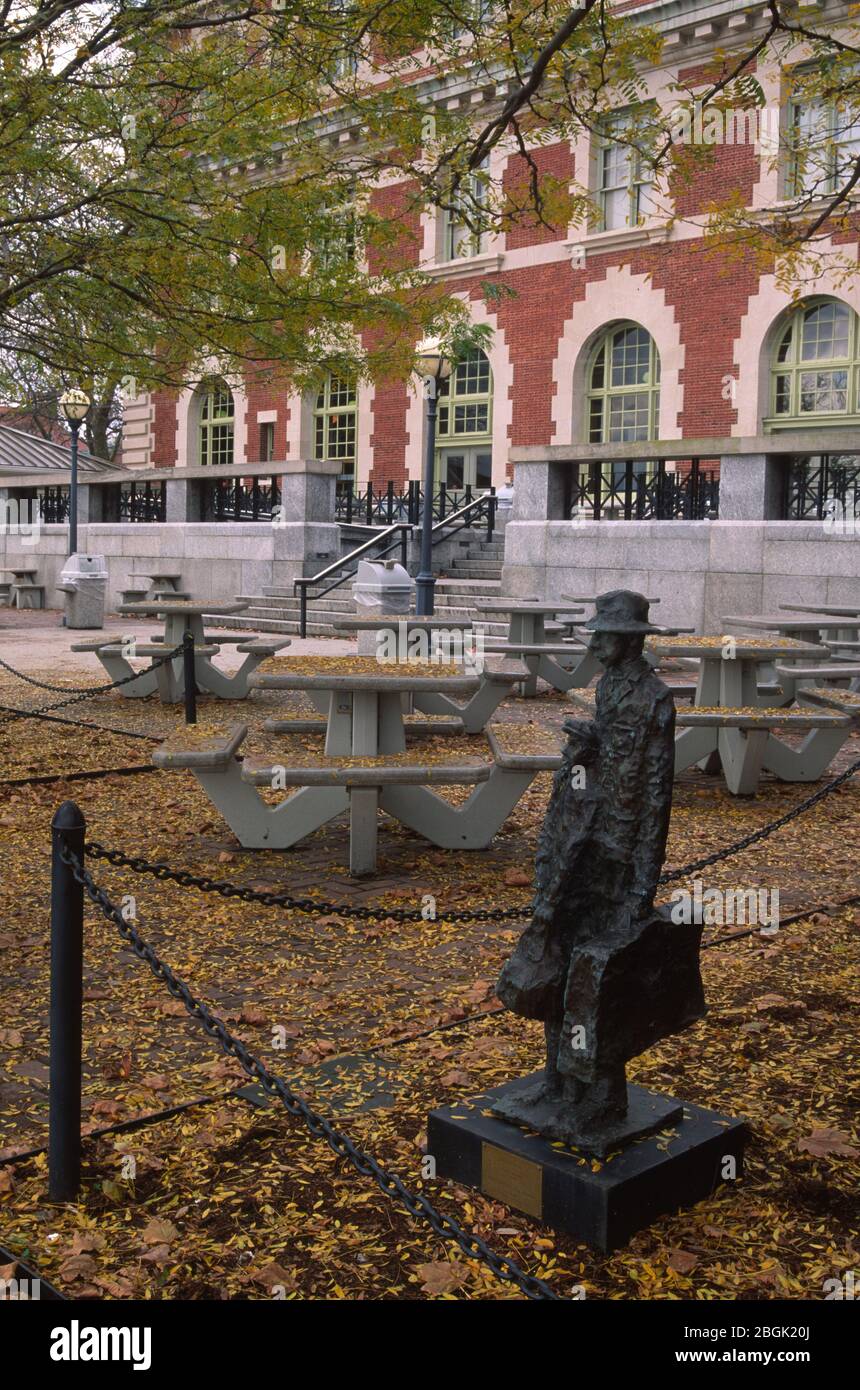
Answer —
605 972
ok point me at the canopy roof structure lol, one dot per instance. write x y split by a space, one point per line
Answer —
27 454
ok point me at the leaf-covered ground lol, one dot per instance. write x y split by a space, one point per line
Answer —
377 1023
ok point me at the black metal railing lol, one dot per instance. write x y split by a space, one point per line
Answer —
240 499
143 502
605 490
54 505
374 506
481 510
397 538
823 487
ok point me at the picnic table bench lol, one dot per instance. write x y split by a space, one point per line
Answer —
94 644
743 740
169 680
327 786
838 649
528 639
797 677
22 588
844 701
378 689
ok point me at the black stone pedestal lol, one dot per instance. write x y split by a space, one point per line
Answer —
651 1176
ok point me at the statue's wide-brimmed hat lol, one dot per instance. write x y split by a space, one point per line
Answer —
621 611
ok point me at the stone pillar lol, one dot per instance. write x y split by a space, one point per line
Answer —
752 487
306 535
539 491
85 501
177 500
539 498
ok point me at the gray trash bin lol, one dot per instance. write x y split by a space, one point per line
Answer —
83 580
382 587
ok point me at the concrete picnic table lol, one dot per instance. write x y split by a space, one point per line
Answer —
729 718
491 681
364 707
402 626
528 639
21 582
805 629
814 627
831 610
365 767
592 598
181 616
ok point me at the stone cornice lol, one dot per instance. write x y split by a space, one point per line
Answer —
835 440
60 476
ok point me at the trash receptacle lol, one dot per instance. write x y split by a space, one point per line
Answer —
83 580
382 587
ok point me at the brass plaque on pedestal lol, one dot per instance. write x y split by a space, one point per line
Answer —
513 1180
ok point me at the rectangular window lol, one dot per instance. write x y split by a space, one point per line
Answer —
344 64
463 232
820 391
629 417
824 145
267 441
338 243
625 179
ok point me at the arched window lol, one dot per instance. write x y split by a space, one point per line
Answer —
624 387
815 374
465 424
335 422
217 419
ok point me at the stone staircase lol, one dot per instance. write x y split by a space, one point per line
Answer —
474 574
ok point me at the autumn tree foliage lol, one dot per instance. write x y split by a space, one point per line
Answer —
186 181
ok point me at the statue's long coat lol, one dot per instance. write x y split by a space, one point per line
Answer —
601 848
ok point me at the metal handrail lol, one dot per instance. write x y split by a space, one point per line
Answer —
305 582
488 498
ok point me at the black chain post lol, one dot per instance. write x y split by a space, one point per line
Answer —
189 677
418 1206
68 831
79 695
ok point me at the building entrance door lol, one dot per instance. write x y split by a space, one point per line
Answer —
459 468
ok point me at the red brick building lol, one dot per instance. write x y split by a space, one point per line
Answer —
624 330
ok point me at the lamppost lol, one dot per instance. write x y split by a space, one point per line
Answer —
74 404
432 366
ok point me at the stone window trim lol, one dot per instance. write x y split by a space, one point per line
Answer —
597 243
487 263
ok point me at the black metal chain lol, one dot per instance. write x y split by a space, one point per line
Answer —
45 685
765 830
82 695
311 906
389 1183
